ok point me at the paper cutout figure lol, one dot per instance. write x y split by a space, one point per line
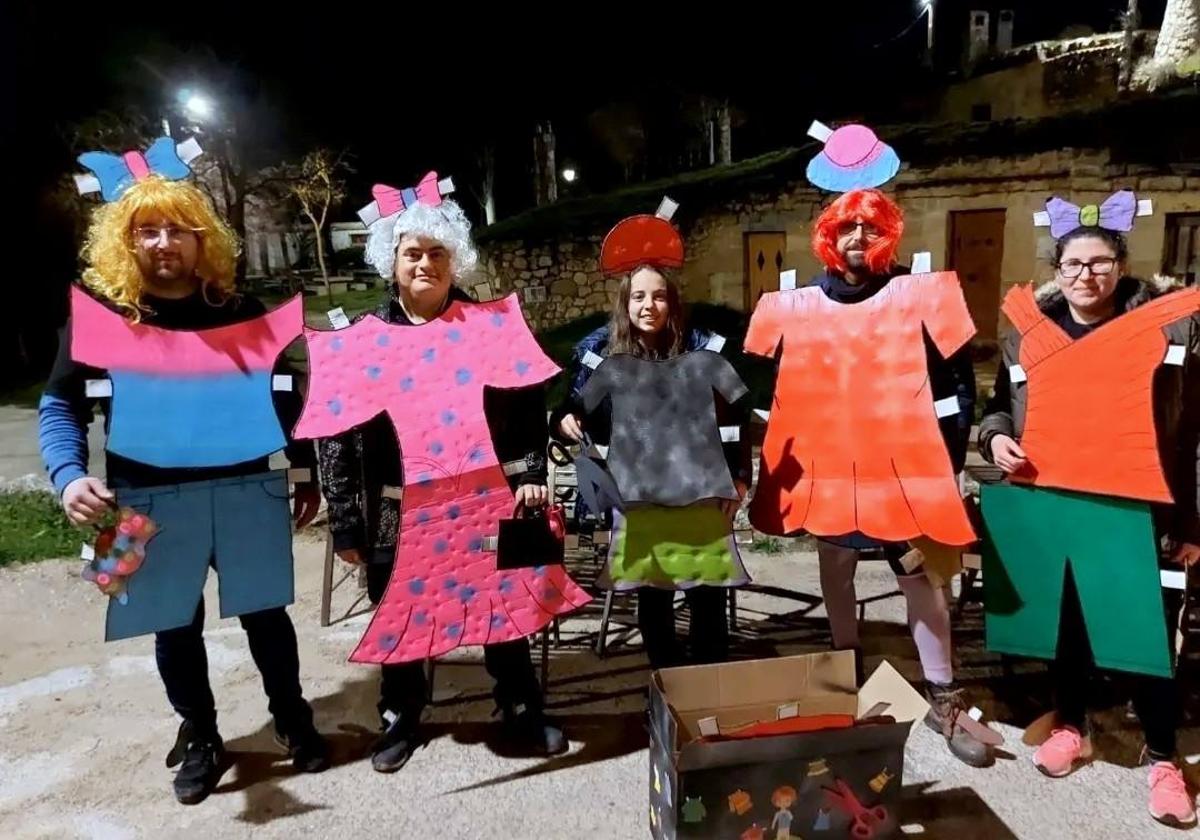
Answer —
1073 437
673 548
783 798
1034 534
693 810
881 780
242 525
390 201
754 832
666 445
1116 213
187 398
113 174
444 590
641 240
847 368
118 552
853 158
740 802
821 823
864 822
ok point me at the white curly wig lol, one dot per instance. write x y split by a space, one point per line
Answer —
446 223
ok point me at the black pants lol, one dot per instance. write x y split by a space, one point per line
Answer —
404 690
1155 699
708 629
183 666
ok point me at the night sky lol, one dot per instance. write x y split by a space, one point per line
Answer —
407 88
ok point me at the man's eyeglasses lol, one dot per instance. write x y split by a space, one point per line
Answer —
1070 269
150 234
868 230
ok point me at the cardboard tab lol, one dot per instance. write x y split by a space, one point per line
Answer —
1145 207
338 319
973 561
708 726
1176 354
762 414
1173 578
731 434
922 262
483 292
666 209
591 360
819 131
1016 374
299 475
491 543
887 686
516 467
715 344
787 710
188 150
787 280
87 552
1041 219
281 382
98 388
946 407
390 492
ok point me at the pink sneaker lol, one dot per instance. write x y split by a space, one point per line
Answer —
1170 802
1060 753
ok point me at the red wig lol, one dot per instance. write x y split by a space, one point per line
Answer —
874 208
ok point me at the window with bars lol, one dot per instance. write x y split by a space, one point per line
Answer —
1181 253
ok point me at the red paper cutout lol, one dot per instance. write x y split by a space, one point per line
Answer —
641 240
1089 424
853 442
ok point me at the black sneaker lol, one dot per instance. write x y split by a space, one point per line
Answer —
308 750
528 727
397 743
199 756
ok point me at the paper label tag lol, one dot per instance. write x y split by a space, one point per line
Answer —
601 450
390 492
946 407
98 387
602 537
787 710
591 360
1145 207
1176 353
86 552
338 319
571 542
491 543
188 150
1173 579
787 280
715 344
708 726
922 262
483 292
1016 374
762 414
973 561
731 434
819 131
975 714
1041 219
281 382
516 467
666 208
87 184
299 475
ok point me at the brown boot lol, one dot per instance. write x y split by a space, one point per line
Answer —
945 704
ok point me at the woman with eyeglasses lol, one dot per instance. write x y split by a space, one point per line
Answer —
1091 289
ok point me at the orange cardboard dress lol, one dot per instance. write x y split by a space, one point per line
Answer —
853 442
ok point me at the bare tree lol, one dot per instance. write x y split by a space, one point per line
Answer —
1178 43
485 160
317 187
1130 21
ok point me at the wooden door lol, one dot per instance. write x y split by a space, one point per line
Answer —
764 260
976 251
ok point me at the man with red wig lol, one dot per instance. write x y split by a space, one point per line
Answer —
856 238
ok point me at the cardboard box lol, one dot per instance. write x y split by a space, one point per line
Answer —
812 784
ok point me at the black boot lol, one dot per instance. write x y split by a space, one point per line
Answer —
529 728
397 743
307 748
199 755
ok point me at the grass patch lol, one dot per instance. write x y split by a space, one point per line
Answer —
767 545
23 396
33 527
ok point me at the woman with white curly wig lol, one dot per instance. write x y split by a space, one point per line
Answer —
421 243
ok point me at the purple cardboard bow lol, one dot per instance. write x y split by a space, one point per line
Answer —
1116 213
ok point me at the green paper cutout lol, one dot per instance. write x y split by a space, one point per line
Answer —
1089 215
663 546
1031 534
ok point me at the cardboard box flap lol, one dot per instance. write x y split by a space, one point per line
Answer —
692 723
886 685
758 682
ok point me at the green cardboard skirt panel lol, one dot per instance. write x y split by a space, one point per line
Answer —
1032 534
673 548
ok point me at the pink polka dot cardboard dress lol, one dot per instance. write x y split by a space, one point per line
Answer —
445 590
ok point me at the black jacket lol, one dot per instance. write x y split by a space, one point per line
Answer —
357 465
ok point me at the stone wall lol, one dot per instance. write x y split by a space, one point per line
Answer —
714 235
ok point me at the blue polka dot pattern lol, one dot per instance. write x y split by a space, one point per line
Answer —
454 335
506 585
454 511
420 618
462 376
416 586
448 418
428 354
381 340
521 368
497 622
436 447
422 517
373 371
335 407
440 546
466 594
406 384
449 584
497 319
453 630
336 344
475 544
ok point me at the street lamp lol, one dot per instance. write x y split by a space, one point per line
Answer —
569 175
198 106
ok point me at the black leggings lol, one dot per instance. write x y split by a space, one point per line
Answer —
708 629
1155 699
